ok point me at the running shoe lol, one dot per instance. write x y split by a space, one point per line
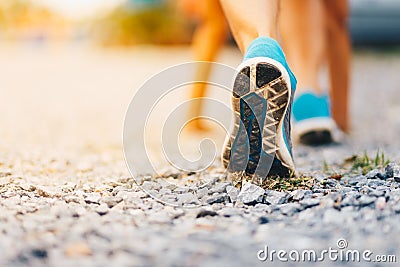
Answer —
312 121
260 143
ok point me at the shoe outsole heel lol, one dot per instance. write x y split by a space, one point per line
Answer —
260 107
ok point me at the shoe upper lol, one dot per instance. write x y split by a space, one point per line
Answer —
268 47
287 125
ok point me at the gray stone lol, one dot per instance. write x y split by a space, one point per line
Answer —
359 181
169 198
361 184
164 191
319 177
219 187
229 211
204 213
374 183
251 194
366 200
217 198
365 190
180 190
263 207
187 198
202 192
376 193
69 187
93 198
233 192
309 202
297 195
46 191
324 191
275 197
392 170
174 212
346 189
263 220
110 201
331 182
396 208
72 198
317 195
166 184
27 187
290 208
102 209
149 185
349 201
372 174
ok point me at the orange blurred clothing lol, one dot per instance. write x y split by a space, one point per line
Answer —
195 8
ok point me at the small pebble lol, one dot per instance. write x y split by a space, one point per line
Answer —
251 194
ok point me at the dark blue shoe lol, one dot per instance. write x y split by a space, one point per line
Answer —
260 143
312 121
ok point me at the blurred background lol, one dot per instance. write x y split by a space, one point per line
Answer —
70 68
161 22
105 23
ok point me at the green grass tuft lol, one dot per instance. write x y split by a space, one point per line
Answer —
366 164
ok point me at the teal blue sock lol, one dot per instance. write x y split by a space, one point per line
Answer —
302 106
268 47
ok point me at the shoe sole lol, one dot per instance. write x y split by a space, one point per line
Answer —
314 131
316 138
261 96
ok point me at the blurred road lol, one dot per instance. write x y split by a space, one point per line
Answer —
75 95
66 192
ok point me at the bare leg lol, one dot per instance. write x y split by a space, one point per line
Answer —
339 60
262 101
307 27
251 19
208 40
303 31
